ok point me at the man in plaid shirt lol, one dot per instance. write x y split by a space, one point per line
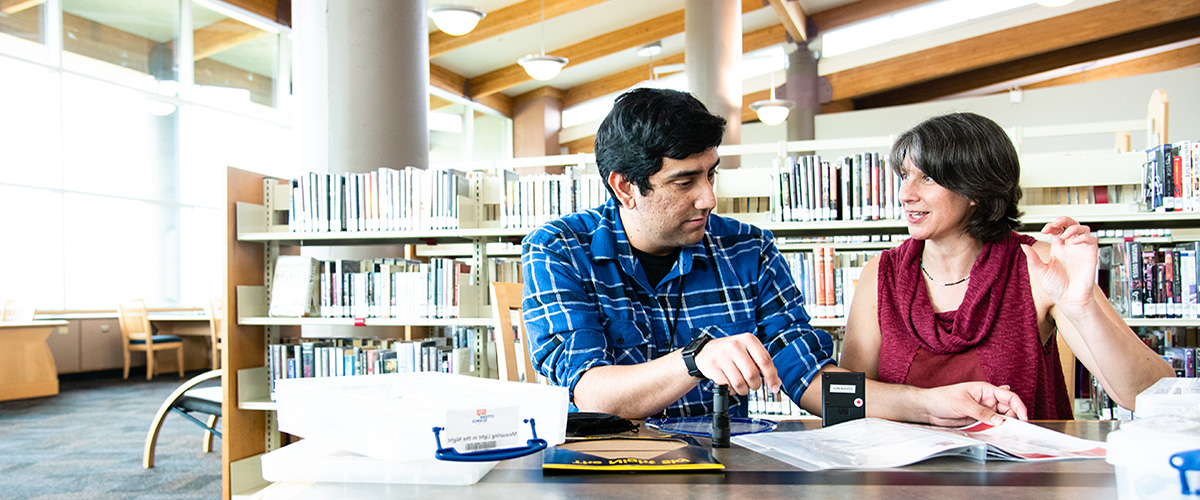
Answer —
641 305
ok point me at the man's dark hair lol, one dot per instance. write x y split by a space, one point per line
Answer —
647 125
970 155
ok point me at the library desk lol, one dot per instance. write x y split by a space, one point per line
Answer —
27 367
751 476
193 327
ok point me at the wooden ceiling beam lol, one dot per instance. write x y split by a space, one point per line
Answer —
1155 36
10 7
1057 33
615 82
859 11
793 18
587 144
747 114
456 84
588 50
503 20
221 35
580 145
625 38
1154 63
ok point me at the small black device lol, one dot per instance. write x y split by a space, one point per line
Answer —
843 397
720 417
690 352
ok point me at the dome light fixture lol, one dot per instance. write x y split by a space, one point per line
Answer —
541 66
455 20
650 49
772 111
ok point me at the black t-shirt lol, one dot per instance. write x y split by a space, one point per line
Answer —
656 267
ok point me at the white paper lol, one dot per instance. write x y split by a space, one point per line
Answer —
872 443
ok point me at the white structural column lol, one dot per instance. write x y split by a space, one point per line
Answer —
714 47
378 69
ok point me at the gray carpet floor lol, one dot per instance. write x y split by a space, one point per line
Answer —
86 443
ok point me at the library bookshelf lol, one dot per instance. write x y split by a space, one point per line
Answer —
257 233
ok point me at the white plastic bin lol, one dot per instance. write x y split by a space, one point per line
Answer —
1141 451
1169 396
391 417
309 461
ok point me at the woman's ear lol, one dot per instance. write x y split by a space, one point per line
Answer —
623 189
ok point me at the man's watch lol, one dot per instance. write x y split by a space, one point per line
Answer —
690 352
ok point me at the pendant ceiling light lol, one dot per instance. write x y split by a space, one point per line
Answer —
541 66
455 20
772 111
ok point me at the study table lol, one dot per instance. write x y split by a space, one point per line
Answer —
27 368
751 476
187 324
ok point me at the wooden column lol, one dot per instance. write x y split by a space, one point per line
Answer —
537 119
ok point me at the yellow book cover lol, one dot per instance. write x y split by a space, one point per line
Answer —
630 454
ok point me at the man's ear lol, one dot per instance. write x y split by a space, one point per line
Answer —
623 188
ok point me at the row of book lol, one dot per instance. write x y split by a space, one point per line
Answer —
449 350
372 288
386 199
855 187
827 278
533 200
1148 281
1172 177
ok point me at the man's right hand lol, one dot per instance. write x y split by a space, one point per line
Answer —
740 362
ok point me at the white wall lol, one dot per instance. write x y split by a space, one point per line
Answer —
1108 100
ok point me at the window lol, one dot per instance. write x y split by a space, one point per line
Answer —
113 173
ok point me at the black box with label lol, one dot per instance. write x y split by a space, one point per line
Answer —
843 397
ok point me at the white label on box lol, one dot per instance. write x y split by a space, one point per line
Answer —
842 388
482 429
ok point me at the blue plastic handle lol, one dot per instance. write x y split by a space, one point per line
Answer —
1185 461
451 455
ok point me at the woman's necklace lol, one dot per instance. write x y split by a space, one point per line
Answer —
952 283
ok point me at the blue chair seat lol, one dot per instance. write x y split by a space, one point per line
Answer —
158 339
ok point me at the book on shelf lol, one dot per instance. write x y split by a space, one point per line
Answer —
827 278
454 350
1171 182
853 187
385 199
872 443
293 287
1149 281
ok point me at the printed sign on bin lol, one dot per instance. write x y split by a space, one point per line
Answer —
482 429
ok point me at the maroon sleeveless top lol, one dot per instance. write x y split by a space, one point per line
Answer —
993 336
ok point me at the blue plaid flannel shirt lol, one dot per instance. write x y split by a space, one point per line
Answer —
587 302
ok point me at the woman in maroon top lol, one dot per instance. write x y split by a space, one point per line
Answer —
967 298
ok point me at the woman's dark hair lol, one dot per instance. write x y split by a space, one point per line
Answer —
970 155
647 125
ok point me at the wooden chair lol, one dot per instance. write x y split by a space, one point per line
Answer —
506 298
188 399
137 335
216 322
17 311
